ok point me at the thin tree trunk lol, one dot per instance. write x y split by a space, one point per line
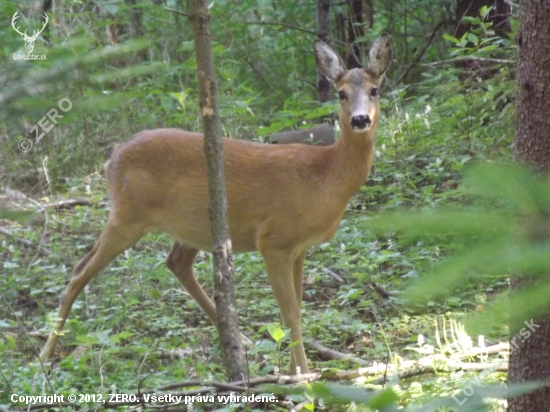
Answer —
355 30
324 90
531 360
136 19
369 12
224 295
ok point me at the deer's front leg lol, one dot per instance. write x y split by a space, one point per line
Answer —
280 273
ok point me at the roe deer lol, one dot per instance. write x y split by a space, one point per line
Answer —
282 198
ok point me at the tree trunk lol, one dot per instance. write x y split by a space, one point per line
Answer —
350 26
45 8
224 295
324 88
532 144
499 15
136 19
355 30
369 13
531 360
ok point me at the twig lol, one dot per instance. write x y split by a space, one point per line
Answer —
333 354
290 26
477 59
509 3
336 277
421 53
488 350
177 11
380 290
262 77
46 221
24 242
67 204
300 406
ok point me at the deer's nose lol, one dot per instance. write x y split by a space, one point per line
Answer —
360 122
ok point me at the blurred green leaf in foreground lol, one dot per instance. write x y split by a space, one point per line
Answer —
505 233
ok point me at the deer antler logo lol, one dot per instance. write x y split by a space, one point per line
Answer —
29 40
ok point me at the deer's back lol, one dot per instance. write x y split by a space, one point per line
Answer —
276 192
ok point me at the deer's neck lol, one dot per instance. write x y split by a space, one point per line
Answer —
353 160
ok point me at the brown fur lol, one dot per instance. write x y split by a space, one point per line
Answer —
270 189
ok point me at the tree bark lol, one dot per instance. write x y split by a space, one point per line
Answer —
532 144
324 91
531 360
224 295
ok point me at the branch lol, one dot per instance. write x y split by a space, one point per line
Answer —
24 242
290 26
476 59
177 11
335 276
421 53
68 204
258 73
333 354
41 242
509 3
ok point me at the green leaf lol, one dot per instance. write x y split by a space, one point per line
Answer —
11 342
292 344
449 274
276 332
473 38
484 11
511 184
450 38
384 399
345 394
120 336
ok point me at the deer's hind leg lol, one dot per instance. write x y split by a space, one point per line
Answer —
115 239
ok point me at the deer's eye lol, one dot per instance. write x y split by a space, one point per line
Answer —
342 95
374 92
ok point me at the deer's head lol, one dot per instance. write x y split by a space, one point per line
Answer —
357 88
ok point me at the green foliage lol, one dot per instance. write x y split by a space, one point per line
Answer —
23 217
505 233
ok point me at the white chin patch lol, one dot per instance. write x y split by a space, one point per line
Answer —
361 130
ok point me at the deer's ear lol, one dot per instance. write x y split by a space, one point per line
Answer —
328 61
380 56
